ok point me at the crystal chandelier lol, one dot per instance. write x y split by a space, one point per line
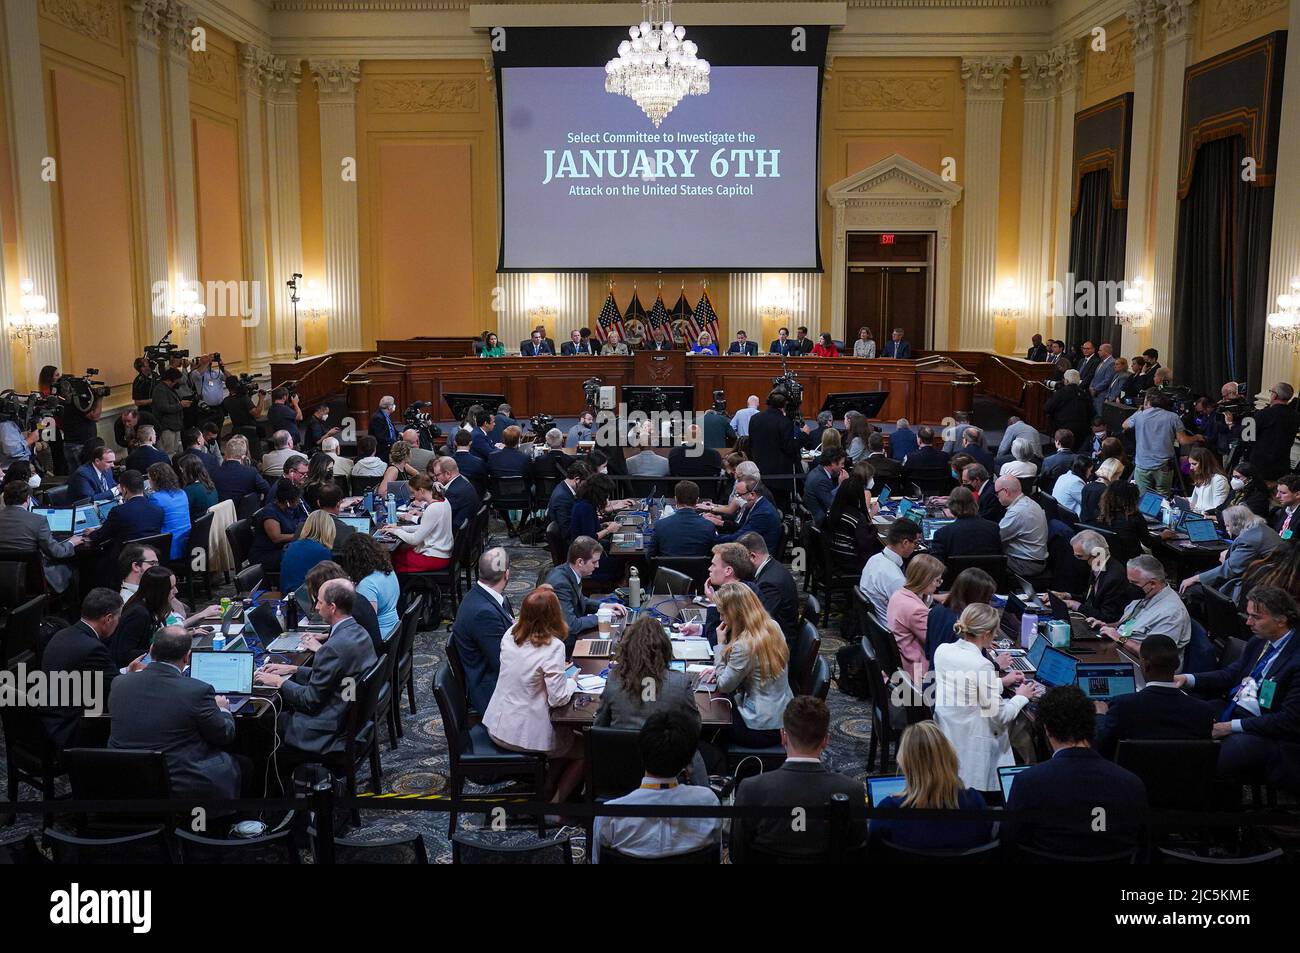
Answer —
34 323
187 309
658 65
1132 310
1284 323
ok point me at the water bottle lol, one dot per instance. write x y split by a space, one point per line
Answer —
291 612
634 589
218 641
390 508
368 501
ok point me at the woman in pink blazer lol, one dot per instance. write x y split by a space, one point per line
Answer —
531 682
908 613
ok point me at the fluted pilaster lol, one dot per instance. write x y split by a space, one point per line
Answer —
336 82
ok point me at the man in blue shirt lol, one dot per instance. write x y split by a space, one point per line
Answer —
1159 432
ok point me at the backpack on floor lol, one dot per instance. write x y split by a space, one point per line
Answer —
851 661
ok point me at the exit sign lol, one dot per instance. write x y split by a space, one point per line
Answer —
887 239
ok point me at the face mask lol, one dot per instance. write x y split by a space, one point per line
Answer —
1238 483
34 480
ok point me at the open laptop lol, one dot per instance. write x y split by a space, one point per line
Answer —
1151 505
229 674
931 526
86 517
1027 662
59 518
1007 777
1103 681
594 648
880 788
1201 533
1056 668
1079 627
104 507
361 523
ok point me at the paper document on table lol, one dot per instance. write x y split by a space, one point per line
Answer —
692 649
591 684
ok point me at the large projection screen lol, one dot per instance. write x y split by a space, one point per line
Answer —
727 182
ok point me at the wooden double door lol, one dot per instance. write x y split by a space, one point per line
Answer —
889 285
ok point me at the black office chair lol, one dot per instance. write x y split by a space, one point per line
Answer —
613 763
1030 855
457 666
812 609
1168 855
361 485
1179 775
107 774
510 493
995 566
142 847
248 505
160 544
990 853
819 686
276 848
803 659
403 667
510 847
192 568
18 639
712 854
693 569
931 481
248 579
58 495
471 754
555 543
239 535
404 849
30 757
20 850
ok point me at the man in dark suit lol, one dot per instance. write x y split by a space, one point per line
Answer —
804 343
135 517
692 459
329 498
481 444
1056 356
382 427
459 491
577 345
759 516
22 531
972 444
501 420
316 695
802 781
896 347
743 345
1160 712
822 482
1057 464
786 347
536 346
235 479
926 457
977 480
560 507
509 461
1260 693
967 535
472 466
1037 350
1251 539
81 649
579 611
552 463
1077 780
686 532
718 432
1286 518
888 470
1089 363
1275 430
160 709
773 444
483 617
145 453
777 589
93 480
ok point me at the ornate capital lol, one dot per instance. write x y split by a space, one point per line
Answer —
337 80
1036 73
1179 19
258 69
178 21
145 20
1064 65
1143 16
985 76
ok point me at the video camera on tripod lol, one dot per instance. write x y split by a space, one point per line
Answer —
417 418
788 385
28 410
80 393
160 355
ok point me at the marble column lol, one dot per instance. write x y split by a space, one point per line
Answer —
1284 253
30 146
1178 17
1143 17
336 82
178 21
257 69
1035 186
146 18
284 198
984 77
1065 67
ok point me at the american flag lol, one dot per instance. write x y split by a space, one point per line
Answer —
706 319
609 318
658 317
634 320
681 321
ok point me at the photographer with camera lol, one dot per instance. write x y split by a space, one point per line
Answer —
208 381
169 407
284 413
244 410
144 383
318 428
22 419
83 404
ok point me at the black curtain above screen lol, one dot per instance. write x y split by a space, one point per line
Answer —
1221 272
1097 233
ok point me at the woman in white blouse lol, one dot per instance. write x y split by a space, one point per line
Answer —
968 702
426 545
865 345
1210 486
532 681
1024 465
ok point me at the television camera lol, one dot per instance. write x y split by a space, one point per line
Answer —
80 393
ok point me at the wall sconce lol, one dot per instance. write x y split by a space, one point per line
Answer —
1009 303
314 306
1284 323
188 309
34 323
1133 311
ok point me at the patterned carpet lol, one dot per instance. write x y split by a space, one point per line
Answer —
419 764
